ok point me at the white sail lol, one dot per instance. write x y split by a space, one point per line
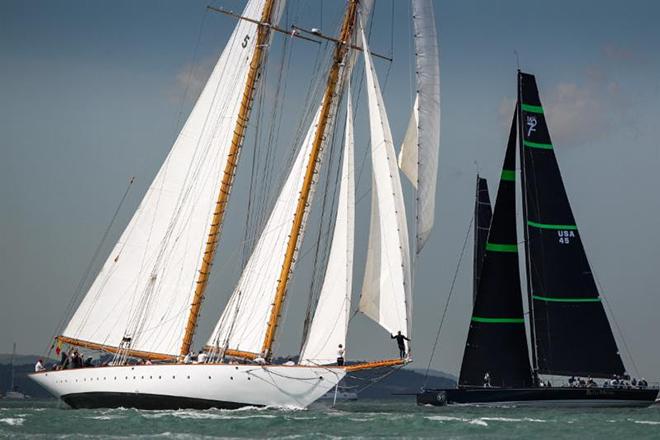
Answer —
420 162
408 152
330 321
145 288
244 321
386 294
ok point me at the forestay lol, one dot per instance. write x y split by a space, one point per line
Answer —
386 295
330 322
145 288
419 152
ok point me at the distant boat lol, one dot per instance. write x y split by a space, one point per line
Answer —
14 393
145 302
570 332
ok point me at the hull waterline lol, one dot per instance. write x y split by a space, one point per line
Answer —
197 386
560 396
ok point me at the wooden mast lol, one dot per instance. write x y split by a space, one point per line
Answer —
263 34
341 49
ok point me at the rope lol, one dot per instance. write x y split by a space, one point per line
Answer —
451 290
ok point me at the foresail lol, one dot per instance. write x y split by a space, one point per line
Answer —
244 320
408 153
428 118
145 288
330 323
386 294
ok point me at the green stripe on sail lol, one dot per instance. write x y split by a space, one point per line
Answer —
495 247
532 108
498 320
567 300
509 175
531 144
548 226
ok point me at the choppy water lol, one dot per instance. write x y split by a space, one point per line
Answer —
363 419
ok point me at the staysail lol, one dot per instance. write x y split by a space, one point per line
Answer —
386 293
571 332
244 320
419 153
144 291
330 322
482 217
497 342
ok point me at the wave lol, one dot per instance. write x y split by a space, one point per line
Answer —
13 421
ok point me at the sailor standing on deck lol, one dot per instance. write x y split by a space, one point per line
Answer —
340 355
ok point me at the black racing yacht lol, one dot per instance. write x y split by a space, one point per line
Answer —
570 332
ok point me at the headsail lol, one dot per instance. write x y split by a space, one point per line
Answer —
497 342
571 332
244 320
330 322
419 153
386 293
145 288
482 217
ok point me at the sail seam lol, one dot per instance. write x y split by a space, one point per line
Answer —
508 175
576 300
532 108
538 145
497 247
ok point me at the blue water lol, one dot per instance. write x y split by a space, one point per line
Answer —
362 419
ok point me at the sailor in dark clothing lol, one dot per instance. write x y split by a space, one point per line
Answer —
400 340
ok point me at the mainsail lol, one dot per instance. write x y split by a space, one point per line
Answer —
482 217
419 153
386 290
570 329
143 294
330 321
497 343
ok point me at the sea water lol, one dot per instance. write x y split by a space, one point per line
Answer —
399 418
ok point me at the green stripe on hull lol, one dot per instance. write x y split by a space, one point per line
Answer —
498 320
549 226
532 108
531 144
496 247
508 175
566 300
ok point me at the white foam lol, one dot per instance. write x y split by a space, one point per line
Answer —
509 419
13 421
480 421
646 422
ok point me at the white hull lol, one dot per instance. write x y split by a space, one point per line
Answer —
171 386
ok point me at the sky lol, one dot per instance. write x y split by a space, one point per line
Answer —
95 92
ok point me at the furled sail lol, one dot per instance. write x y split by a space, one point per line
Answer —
145 288
244 320
497 342
482 217
330 321
386 293
571 332
419 153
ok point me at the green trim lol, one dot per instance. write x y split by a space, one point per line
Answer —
548 226
498 320
495 247
537 145
567 300
532 108
508 175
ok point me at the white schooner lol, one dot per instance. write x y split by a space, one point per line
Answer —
145 301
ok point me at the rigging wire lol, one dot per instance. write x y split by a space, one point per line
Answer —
451 290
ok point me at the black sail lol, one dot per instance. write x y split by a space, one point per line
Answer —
496 342
482 216
571 333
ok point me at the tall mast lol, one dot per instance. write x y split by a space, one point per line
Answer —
228 176
341 49
528 263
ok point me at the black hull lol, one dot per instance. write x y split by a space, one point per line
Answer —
143 401
561 396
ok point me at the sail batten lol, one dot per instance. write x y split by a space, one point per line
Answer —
386 290
570 329
144 291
